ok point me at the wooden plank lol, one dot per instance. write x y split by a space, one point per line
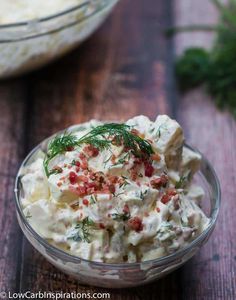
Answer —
211 274
120 72
12 149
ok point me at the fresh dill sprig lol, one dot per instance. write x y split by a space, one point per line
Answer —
57 146
121 134
101 137
216 68
82 233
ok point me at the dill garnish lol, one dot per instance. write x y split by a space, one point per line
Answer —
120 217
93 199
125 182
101 137
181 182
216 68
82 233
58 145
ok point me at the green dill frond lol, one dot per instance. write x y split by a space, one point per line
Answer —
101 137
120 217
58 145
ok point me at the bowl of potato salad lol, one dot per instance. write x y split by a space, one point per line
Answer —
34 32
117 204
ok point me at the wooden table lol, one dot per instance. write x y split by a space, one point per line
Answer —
125 69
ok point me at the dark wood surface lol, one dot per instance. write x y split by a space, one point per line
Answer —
124 69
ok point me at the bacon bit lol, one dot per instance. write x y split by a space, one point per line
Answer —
113 179
91 185
155 157
59 184
165 198
82 156
102 226
73 177
82 178
158 209
112 188
113 158
70 148
92 176
58 169
76 163
126 209
84 165
91 150
169 194
148 169
81 190
172 192
159 182
77 169
135 224
85 202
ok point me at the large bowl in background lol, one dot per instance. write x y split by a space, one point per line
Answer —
28 45
124 274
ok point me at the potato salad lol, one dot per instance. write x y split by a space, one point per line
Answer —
115 192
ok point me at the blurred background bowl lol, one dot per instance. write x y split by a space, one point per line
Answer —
26 46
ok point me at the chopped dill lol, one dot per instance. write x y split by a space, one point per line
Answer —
181 182
82 233
125 182
93 199
120 217
142 195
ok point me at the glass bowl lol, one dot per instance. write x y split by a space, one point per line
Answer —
124 274
28 45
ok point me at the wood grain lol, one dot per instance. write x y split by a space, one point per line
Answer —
210 274
12 150
125 69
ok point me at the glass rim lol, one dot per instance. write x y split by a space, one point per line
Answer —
46 18
158 261
27 35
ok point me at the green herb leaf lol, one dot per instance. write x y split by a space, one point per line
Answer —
82 233
100 137
120 217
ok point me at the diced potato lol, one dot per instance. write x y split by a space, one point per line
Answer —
169 140
153 254
34 182
191 162
40 216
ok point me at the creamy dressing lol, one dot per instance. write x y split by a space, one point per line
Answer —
109 205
